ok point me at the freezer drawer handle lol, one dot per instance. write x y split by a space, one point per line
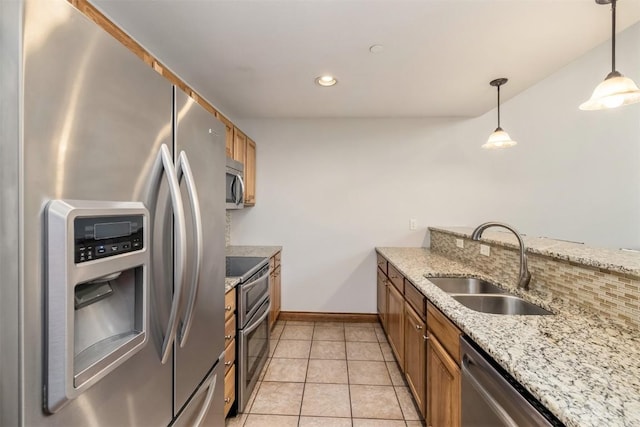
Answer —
164 163
184 169
207 402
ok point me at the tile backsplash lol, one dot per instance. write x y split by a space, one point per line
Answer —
609 293
227 230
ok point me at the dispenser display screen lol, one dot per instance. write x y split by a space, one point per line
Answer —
100 237
111 229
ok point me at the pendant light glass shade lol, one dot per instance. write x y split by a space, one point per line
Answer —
616 90
499 138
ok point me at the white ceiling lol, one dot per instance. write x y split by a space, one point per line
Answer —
259 58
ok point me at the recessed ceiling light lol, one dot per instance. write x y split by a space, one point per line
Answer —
326 81
376 48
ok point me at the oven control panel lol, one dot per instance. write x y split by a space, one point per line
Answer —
101 237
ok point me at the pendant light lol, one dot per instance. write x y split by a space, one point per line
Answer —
499 138
616 89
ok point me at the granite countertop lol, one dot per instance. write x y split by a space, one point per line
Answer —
584 369
258 251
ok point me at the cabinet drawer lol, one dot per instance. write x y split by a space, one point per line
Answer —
272 263
415 298
229 303
229 389
229 355
382 263
396 278
229 330
446 332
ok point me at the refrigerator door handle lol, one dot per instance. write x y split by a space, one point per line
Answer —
207 402
165 163
184 169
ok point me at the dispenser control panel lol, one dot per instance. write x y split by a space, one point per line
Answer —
101 237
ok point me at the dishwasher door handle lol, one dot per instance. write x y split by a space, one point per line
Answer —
468 368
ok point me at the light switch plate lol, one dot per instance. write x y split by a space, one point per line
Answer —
485 250
412 224
460 243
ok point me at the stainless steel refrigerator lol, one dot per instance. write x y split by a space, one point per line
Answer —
112 223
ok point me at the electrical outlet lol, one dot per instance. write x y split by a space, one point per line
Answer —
460 243
485 250
412 224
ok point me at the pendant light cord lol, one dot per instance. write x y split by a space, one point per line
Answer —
613 35
498 106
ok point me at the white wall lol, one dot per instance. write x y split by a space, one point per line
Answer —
330 190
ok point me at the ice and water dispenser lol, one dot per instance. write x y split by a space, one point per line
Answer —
96 292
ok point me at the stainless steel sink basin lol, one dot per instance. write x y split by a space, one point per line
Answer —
465 285
499 304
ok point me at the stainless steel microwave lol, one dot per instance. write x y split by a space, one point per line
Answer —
234 185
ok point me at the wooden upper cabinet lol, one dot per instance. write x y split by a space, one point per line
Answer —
250 173
239 144
229 134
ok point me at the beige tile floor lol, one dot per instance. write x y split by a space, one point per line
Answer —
331 375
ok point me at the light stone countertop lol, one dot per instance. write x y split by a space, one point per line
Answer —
584 369
257 251
615 260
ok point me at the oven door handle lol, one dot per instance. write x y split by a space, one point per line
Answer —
250 328
250 285
468 365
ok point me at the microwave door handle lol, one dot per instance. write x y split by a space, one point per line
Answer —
184 169
233 188
241 195
164 163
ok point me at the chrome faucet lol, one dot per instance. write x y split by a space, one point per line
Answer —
525 276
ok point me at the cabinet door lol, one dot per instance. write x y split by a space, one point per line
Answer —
239 144
415 355
229 133
250 173
272 298
382 298
395 323
443 387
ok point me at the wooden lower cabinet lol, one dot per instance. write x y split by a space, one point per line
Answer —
382 295
395 323
229 389
230 350
415 366
275 288
444 393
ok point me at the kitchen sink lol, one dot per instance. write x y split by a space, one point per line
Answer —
499 304
465 285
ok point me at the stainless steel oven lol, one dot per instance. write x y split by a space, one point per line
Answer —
252 307
253 351
234 185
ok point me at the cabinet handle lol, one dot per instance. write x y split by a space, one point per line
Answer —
424 337
227 308
418 327
227 337
227 399
228 363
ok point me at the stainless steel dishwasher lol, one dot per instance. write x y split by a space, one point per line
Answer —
492 398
